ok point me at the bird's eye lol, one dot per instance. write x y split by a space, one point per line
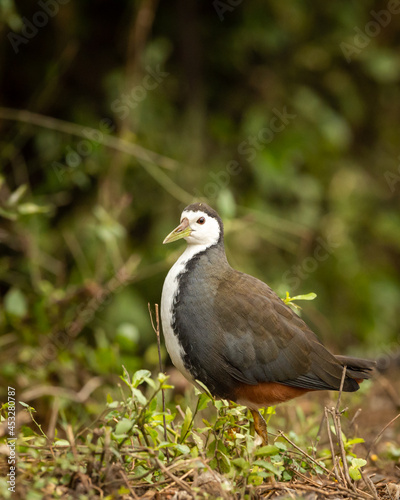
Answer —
201 220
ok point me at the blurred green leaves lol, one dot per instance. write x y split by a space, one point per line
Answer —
15 303
13 207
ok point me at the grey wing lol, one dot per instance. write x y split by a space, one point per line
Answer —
265 341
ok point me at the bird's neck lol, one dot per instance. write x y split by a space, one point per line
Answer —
215 254
213 251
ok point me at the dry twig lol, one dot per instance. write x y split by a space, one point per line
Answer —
156 328
381 432
304 453
174 478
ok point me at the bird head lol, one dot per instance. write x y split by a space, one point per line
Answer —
200 225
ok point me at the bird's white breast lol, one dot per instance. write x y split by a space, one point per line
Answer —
169 292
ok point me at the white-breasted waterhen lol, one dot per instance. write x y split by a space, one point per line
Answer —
234 334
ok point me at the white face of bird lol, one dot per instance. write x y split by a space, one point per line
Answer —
197 228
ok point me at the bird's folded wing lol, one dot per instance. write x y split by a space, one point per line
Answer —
263 340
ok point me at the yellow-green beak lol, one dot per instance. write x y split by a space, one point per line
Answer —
182 231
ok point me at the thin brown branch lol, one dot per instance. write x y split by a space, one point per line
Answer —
341 388
156 328
381 432
390 390
71 439
55 407
184 476
126 482
335 489
174 478
370 485
280 433
112 142
338 426
328 428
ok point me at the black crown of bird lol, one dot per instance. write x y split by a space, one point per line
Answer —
232 332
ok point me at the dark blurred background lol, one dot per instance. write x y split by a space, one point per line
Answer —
284 116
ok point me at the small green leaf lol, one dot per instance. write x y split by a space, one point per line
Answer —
151 432
186 423
356 465
256 479
355 441
355 474
199 442
139 470
266 451
142 376
29 408
286 476
182 448
241 463
123 426
266 465
113 404
307 296
137 394
153 405
61 442
204 399
205 388
358 462
225 463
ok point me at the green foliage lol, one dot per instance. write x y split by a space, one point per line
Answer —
356 465
133 439
290 300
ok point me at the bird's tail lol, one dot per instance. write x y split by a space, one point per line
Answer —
357 368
